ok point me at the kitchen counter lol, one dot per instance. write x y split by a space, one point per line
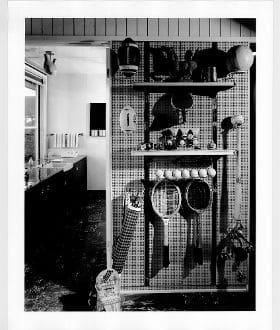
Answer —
39 174
72 160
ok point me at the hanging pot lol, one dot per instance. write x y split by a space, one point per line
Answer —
129 57
181 101
239 58
209 58
49 63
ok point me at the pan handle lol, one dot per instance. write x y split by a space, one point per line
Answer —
198 253
166 261
165 244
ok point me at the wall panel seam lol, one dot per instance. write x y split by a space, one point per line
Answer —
95 26
84 26
168 33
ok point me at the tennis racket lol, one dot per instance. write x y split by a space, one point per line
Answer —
166 201
198 197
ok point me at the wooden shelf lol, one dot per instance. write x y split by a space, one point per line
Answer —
197 88
193 152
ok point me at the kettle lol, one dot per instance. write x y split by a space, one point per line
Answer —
49 63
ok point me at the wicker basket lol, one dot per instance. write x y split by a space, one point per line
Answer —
108 291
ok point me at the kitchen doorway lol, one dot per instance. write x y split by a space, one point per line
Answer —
69 184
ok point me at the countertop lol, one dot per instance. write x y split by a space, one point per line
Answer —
70 160
39 174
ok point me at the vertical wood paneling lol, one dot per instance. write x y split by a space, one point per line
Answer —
252 33
194 27
121 27
36 26
173 26
163 27
215 27
234 28
90 26
131 26
68 26
245 31
184 27
152 27
110 26
28 26
225 27
58 26
204 27
142 24
79 26
100 26
47 26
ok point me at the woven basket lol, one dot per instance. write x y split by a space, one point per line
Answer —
108 290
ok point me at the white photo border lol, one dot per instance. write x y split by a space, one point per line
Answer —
258 320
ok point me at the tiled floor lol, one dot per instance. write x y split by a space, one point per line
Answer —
80 256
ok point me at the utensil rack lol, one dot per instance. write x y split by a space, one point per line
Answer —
129 168
60 140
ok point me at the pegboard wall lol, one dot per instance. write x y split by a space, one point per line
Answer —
128 171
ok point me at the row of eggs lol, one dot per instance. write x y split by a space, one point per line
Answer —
186 173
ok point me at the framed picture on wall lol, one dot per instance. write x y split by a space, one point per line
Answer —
97 119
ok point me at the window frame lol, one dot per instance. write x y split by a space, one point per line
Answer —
35 127
37 76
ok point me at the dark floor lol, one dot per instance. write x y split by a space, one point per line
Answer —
64 285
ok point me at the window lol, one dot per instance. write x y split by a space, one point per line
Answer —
35 114
32 127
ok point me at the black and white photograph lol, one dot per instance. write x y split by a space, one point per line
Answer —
139 164
140 143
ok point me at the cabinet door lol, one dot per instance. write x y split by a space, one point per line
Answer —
80 180
81 175
74 191
33 219
43 218
68 195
